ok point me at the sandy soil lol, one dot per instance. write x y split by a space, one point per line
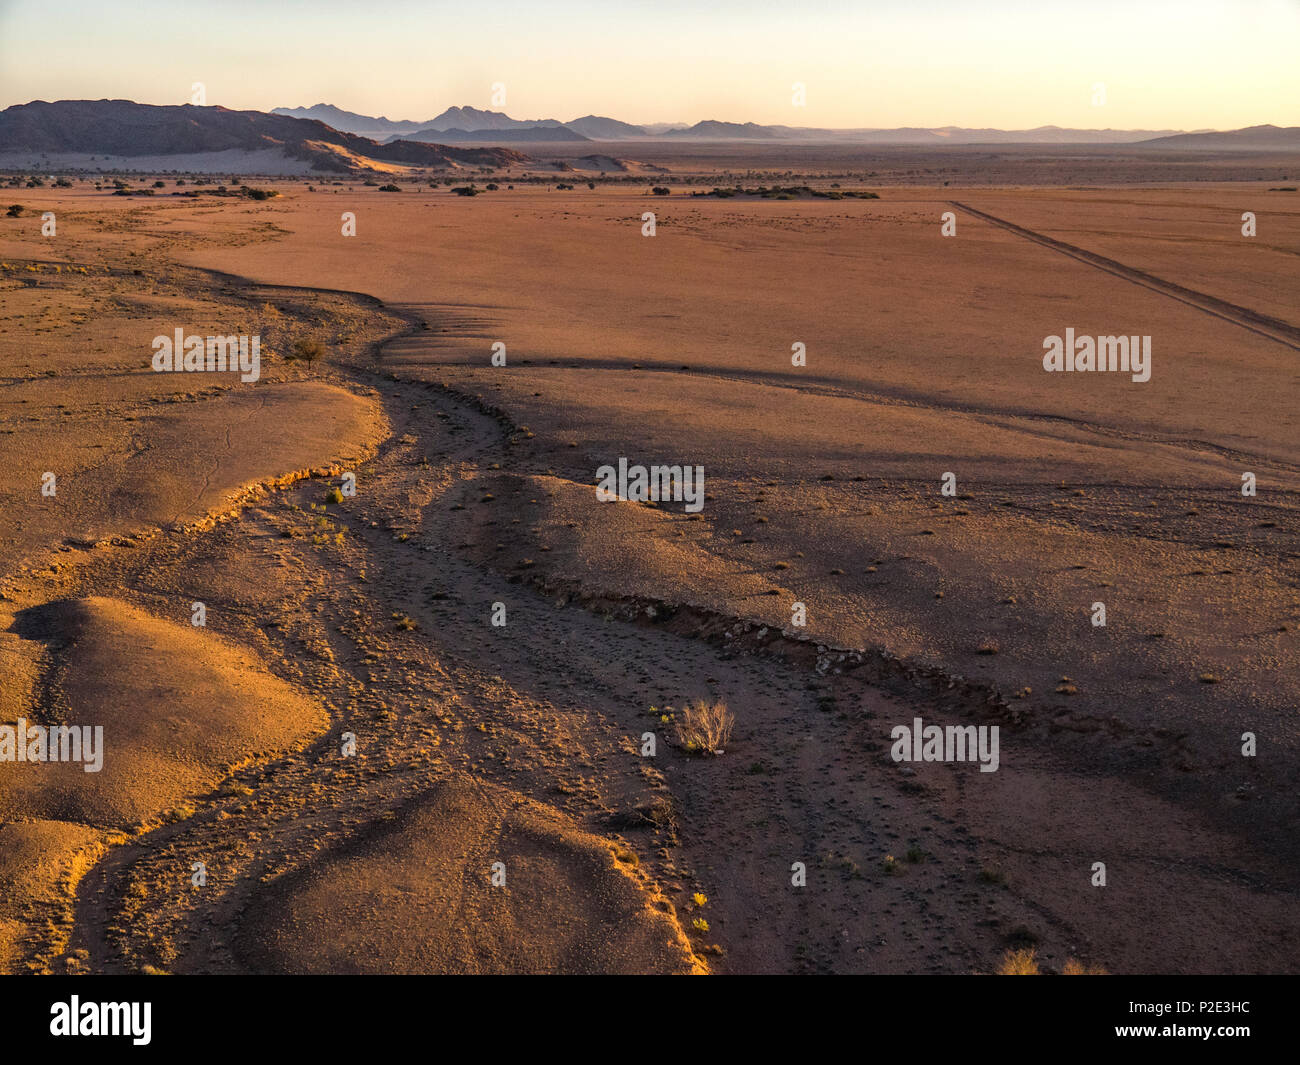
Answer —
371 614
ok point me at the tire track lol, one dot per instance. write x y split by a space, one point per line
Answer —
1261 324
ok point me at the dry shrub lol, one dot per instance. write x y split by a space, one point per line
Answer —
309 349
1023 962
705 727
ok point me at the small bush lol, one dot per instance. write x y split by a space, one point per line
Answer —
309 349
1022 962
15 210
705 727
389 188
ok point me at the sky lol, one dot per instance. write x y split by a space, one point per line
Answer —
1009 64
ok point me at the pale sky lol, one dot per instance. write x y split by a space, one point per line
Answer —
1011 64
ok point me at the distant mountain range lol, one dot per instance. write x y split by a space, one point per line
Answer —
606 129
461 123
471 118
469 124
715 131
350 121
126 129
1251 139
496 136
712 131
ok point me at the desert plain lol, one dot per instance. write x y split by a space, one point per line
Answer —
368 618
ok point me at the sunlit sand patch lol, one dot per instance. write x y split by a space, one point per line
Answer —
179 708
415 895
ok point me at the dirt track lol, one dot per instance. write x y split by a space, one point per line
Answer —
1262 324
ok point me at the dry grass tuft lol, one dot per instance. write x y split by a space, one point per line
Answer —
705 727
1022 962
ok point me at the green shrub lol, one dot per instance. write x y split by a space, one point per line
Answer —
308 349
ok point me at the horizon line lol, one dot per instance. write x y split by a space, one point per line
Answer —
677 124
